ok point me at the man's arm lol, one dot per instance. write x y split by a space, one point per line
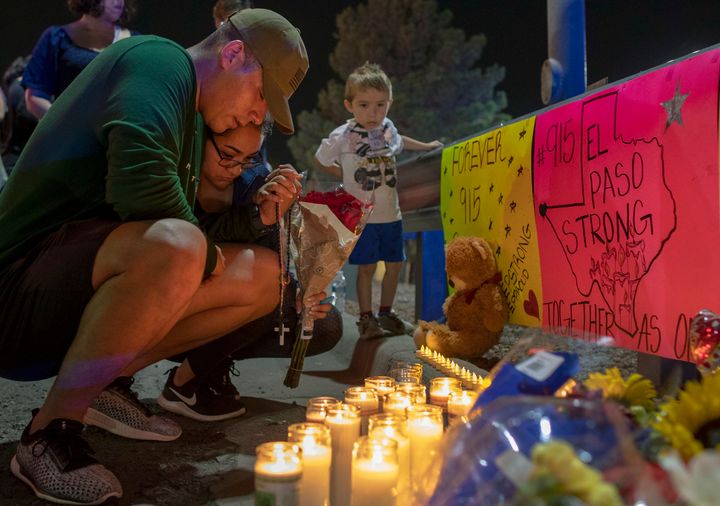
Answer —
333 169
414 145
147 129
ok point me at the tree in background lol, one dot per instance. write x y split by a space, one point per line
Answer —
439 91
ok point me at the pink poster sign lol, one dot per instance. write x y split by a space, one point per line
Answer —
627 208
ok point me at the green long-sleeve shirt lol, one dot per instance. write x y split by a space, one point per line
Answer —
124 138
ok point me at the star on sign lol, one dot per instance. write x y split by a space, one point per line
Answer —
672 107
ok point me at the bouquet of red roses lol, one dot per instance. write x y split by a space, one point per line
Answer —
324 227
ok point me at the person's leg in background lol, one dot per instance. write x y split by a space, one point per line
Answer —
366 255
392 251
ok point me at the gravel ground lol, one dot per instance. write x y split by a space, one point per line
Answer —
404 301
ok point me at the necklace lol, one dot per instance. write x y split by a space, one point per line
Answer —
284 267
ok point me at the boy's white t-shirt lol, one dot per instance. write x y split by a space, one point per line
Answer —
367 158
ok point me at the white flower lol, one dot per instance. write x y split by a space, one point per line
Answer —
696 482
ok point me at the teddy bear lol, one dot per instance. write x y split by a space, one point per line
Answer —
477 311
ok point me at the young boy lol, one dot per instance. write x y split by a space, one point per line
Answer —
362 152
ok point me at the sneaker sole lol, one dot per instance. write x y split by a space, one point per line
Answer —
18 472
398 331
97 419
376 336
180 408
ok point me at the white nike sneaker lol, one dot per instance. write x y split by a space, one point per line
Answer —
200 400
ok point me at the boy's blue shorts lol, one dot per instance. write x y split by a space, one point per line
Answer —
379 241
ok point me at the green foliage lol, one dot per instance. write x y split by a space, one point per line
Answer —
439 91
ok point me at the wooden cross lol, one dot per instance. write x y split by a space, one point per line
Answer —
282 333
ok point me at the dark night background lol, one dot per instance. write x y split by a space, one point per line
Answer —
623 36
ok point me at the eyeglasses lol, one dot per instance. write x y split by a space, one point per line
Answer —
228 162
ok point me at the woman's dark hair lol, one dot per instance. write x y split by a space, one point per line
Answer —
224 8
95 9
14 70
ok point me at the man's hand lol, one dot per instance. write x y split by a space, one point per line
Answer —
316 310
282 187
434 145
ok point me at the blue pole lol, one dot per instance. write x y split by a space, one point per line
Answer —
434 279
564 73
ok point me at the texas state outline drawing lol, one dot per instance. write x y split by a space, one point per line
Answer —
619 214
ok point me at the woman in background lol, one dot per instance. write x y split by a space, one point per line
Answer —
18 124
223 9
63 51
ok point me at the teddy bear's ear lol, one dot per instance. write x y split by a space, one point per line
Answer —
478 246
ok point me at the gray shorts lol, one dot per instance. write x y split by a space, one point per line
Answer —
43 296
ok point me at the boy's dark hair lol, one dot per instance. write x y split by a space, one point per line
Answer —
95 8
367 75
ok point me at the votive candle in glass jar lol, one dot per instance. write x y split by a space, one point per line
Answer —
317 408
375 472
460 403
425 430
383 385
344 424
397 402
394 427
406 371
314 440
416 390
364 398
440 389
278 470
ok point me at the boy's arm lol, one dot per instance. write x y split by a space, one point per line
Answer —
333 169
414 145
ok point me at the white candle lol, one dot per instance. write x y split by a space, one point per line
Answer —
417 391
425 430
344 424
314 440
383 385
278 469
459 404
317 408
364 398
397 402
394 427
440 389
375 472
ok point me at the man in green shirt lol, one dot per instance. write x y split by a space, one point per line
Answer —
103 269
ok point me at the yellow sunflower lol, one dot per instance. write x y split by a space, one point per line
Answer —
635 391
558 459
691 422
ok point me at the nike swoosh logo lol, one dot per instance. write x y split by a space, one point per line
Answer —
190 401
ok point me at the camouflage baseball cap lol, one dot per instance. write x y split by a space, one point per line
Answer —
278 47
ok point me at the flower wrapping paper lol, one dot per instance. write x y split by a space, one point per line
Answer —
322 239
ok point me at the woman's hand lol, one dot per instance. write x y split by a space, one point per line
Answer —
282 186
220 264
316 310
